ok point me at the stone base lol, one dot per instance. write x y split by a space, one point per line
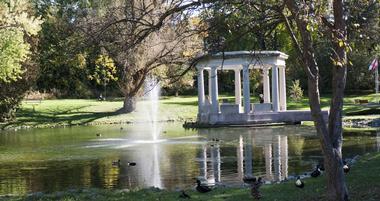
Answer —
261 107
290 117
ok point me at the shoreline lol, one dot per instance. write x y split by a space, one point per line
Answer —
349 123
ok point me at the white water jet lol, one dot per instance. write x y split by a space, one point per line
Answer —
152 95
146 127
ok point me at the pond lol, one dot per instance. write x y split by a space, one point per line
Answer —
59 159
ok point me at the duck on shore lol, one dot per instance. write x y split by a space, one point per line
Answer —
184 195
201 188
346 168
316 172
255 188
299 183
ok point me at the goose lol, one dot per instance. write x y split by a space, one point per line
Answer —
116 163
299 183
346 168
202 189
184 195
131 163
316 172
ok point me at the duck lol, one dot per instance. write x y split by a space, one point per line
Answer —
116 163
255 192
321 167
184 195
202 189
316 172
299 183
131 163
98 135
249 180
215 139
121 128
346 168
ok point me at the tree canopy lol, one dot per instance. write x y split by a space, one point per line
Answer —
15 24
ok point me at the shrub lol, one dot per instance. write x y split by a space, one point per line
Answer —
296 92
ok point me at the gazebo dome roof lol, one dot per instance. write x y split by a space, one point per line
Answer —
235 59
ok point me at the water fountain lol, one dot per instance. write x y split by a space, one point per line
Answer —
150 167
152 95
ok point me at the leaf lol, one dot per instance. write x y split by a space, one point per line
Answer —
309 27
341 43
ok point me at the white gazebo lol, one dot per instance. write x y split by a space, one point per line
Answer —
272 110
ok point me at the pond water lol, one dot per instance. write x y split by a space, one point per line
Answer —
65 158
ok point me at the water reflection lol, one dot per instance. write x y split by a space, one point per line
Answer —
274 152
61 159
149 166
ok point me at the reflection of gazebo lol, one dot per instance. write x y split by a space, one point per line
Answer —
273 110
272 141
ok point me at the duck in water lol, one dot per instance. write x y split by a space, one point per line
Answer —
116 163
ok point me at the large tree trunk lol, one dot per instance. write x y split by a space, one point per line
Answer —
331 135
129 104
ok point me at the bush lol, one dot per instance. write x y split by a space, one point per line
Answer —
11 95
296 92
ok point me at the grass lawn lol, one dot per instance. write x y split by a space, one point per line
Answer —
362 180
67 112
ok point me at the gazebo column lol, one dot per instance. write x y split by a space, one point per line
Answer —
275 97
201 91
266 89
209 85
214 90
282 88
237 87
246 93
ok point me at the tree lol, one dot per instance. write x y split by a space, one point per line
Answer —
18 28
104 72
62 57
139 36
305 15
15 22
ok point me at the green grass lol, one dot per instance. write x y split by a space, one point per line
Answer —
52 113
362 180
68 112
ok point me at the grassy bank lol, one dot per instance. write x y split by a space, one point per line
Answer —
362 182
52 113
